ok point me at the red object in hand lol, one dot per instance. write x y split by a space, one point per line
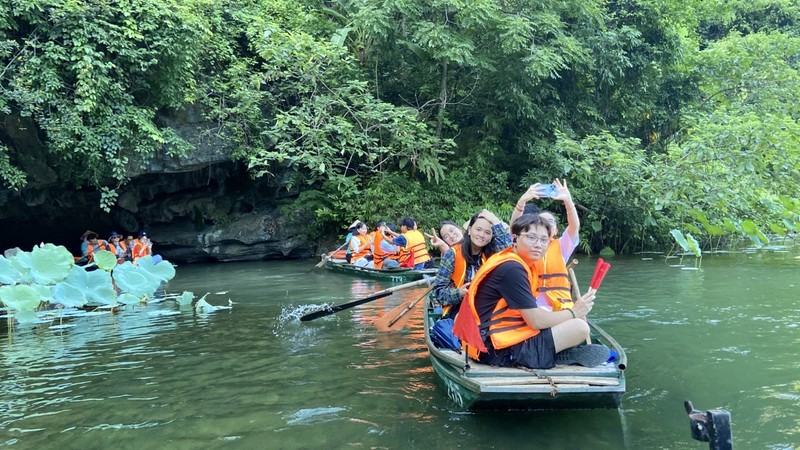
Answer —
600 271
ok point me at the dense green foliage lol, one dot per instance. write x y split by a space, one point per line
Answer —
661 114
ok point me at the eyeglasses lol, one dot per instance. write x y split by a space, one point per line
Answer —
532 239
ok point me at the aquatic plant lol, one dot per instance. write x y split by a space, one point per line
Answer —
47 276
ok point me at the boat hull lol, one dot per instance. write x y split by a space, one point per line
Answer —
475 386
399 275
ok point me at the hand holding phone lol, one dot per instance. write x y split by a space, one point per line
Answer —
549 190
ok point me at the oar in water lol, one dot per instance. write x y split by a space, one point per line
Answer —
576 294
397 318
375 296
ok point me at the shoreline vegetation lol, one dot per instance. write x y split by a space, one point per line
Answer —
672 120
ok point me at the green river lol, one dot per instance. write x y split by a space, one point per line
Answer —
253 377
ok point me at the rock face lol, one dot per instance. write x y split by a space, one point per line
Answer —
202 207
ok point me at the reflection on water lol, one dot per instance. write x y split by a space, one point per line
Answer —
256 377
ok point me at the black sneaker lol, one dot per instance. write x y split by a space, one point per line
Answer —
589 355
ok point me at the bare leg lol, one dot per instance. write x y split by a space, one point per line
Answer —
569 334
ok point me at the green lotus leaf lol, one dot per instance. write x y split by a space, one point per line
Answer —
693 245
50 264
20 297
132 279
749 227
129 299
96 285
185 298
164 270
9 274
22 263
68 295
680 239
45 292
26 317
105 260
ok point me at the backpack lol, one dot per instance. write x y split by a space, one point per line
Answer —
442 335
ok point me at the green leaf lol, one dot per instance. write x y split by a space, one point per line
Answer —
597 226
50 264
749 227
693 245
680 239
105 260
9 274
185 298
68 295
129 299
163 271
777 229
20 297
607 252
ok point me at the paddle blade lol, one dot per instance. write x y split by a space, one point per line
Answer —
337 308
396 319
600 271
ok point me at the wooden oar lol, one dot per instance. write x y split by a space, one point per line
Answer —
391 321
375 296
576 294
325 258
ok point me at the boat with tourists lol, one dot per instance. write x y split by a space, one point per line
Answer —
399 274
472 385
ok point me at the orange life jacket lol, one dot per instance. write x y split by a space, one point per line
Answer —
378 255
506 326
118 252
459 275
553 277
363 248
416 246
140 250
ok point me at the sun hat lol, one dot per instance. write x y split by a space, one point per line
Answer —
114 234
353 225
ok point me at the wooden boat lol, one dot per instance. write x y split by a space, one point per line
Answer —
400 274
472 385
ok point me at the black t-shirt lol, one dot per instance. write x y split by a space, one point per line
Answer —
509 280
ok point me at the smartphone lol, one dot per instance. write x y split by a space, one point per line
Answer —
549 190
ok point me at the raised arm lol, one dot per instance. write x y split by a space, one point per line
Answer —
532 193
573 221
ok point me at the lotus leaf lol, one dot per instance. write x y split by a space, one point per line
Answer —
50 264
96 285
68 295
164 270
105 260
26 317
680 239
185 298
20 297
134 280
45 292
22 263
9 274
693 245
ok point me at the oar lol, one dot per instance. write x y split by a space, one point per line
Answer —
391 320
326 257
375 296
576 294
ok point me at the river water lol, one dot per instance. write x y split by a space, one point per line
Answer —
254 376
